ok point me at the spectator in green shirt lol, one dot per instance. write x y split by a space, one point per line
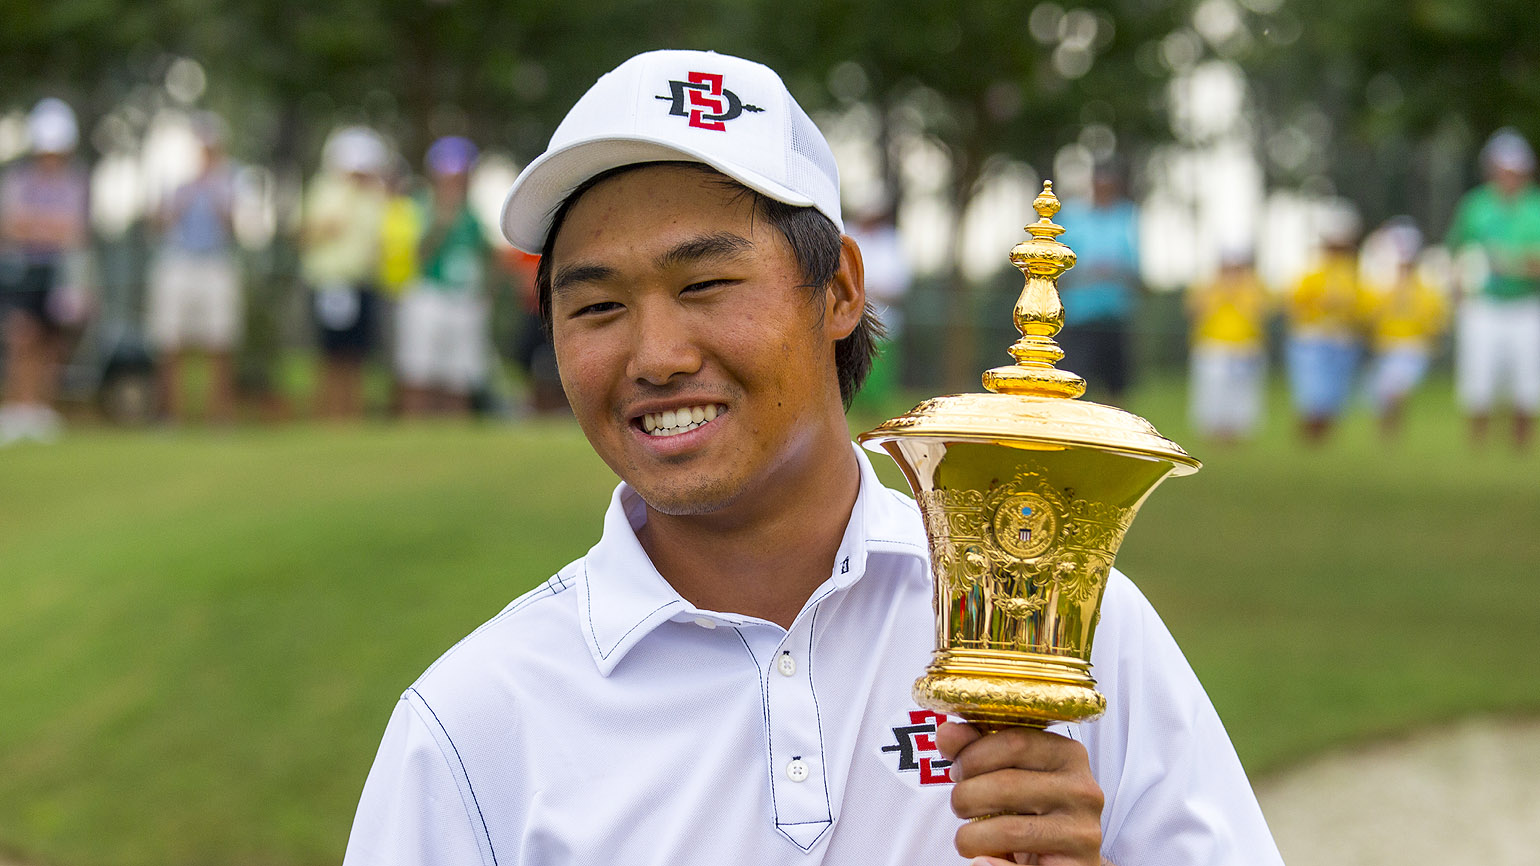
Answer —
443 341
1498 341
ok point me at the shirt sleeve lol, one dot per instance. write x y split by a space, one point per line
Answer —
1176 794
417 808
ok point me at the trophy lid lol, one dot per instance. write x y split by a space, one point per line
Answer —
1031 403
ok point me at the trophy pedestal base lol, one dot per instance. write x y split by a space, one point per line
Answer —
993 688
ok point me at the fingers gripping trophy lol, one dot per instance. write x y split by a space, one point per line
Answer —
1026 494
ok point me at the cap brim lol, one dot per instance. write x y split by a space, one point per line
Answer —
545 183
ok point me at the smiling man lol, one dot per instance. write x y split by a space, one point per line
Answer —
724 678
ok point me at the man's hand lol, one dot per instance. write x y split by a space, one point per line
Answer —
1043 805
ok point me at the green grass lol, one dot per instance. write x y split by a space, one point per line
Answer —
204 634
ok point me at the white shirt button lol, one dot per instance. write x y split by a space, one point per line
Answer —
705 623
786 664
797 770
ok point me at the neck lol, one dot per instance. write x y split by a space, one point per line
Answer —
764 560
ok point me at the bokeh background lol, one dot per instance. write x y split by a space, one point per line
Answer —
204 627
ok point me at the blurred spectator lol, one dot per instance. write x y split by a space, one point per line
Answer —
401 228
43 296
888 278
1404 320
443 341
344 209
195 286
532 349
1101 292
1228 362
1499 330
1325 312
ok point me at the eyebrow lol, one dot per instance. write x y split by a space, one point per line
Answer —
716 245
571 275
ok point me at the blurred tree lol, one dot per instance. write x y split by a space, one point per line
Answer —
1392 97
981 79
984 80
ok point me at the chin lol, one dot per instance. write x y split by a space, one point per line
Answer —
685 500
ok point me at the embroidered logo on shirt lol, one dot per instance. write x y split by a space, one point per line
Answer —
705 101
915 744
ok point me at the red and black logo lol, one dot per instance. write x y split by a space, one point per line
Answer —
916 748
705 101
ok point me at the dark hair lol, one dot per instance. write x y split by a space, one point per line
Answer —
814 242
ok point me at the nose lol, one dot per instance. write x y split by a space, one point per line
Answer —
664 345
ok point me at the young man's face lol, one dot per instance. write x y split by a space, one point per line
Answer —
672 305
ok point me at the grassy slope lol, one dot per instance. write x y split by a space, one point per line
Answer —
203 635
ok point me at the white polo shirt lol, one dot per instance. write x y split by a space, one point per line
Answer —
601 718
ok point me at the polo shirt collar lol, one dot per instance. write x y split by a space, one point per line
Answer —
623 598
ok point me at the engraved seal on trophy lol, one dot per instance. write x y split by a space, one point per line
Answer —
1025 525
1025 516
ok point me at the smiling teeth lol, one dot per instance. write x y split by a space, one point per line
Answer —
676 421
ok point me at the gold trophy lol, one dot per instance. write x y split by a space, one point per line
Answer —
1026 494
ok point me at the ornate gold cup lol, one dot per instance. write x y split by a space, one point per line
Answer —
1026 494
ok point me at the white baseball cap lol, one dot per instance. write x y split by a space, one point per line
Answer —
1507 149
356 150
51 126
698 106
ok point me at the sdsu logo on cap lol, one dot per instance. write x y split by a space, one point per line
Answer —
705 101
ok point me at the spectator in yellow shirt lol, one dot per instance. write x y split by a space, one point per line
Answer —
1227 362
1404 320
1325 314
340 262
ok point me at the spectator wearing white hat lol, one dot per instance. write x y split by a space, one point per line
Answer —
1228 362
1325 317
43 231
1405 317
195 286
443 323
344 209
1498 338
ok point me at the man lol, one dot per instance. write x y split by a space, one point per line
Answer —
44 230
1326 323
340 263
442 324
725 676
1101 293
1499 327
195 287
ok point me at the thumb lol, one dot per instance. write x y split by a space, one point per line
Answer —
953 737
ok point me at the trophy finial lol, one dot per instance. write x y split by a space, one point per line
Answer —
1038 314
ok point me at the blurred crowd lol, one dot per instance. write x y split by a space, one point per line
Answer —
1366 319
395 266
397 270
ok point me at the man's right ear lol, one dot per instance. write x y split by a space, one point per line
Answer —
846 293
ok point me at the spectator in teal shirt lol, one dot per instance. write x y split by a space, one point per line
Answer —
1101 292
1498 340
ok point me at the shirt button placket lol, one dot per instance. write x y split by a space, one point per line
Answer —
801 803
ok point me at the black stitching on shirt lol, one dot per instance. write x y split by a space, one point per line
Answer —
823 762
539 593
764 703
589 605
463 772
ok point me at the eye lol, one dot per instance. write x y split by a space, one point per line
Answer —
705 285
598 309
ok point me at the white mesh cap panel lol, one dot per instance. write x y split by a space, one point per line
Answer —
812 165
